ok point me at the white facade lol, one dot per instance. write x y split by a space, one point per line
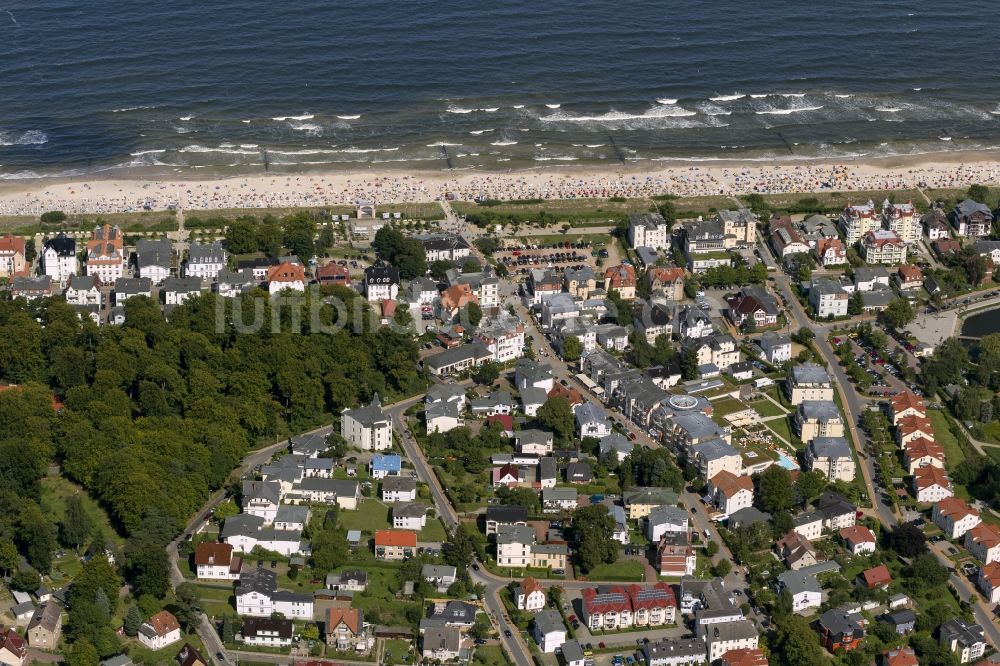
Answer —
263 604
59 268
367 428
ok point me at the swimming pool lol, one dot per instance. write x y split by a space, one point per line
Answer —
787 462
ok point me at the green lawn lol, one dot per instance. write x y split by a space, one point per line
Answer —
490 655
433 531
379 601
780 426
993 452
395 650
726 406
54 491
767 408
623 570
953 452
371 515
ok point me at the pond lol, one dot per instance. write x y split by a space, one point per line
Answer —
982 323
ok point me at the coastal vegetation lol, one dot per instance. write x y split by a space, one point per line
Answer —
151 417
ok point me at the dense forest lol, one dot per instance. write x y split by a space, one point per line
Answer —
155 414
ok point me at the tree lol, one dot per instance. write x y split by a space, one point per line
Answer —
187 610
25 580
979 193
572 349
899 313
471 266
225 509
82 653
712 548
133 620
809 485
241 235
689 363
487 373
53 217
907 540
557 415
75 526
440 267
855 304
460 548
776 491
722 568
472 313
228 633
796 643
803 336
593 526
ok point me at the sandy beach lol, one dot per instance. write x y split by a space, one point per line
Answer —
140 191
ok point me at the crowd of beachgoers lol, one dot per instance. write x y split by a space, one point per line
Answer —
315 190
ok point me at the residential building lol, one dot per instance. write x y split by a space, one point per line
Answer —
126 288
381 283
744 657
58 257
983 541
869 278
497 516
794 548
344 629
663 519
714 456
932 485
205 260
45 627
668 281
830 455
857 220
529 595
394 545
580 282
83 290
692 322
909 277
819 418
159 631
12 256
754 304
106 256
902 220
955 517
529 373
804 589
31 287
503 336
730 492
177 290
154 258
907 403
444 247
859 540
368 428
549 631
383 465
777 347
830 252
572 653
808 381
935 224
674 555
410 516
514 545
458 359
738 226
883 247
441 643
286 276
13 648
215 561
557 500
785 238
648 230
622 279
399 489
989 582
333 273
485 286
904 656
554 556
705 246
267 632
231 284
616 607
972 219
964 639
875 578
674 652
188 656
721 637
639 502
841 630
828 299
592 420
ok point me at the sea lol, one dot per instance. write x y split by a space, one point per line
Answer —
99 86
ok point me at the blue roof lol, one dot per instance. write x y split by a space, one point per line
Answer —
387 463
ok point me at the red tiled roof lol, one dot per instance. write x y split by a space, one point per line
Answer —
985 535
216 554
928 475
922 447
906 400
662 274
610 599
11 243
529 585
13 642
404 538
458 296
991 574
622 275
286 272
877 576
910 273
570 394
911 424
388 308
349 617
647 598
824 244
744 657
955 508
505 420
163 623
857 534
903 656
730 484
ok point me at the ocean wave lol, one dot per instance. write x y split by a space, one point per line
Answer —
478 132
140 153
304 116
245 122
185 118
843 95
195 148
503 143
785 112
353 150
595 145
126 109
354 117
19 175
28 138
490 109
757 96
308 151
666 100
561 158
519 106
311 128
888 109
458 109
553 106
656 112
248 145
727 98
792 94
439 144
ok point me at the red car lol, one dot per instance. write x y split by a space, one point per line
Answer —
572 618
631 436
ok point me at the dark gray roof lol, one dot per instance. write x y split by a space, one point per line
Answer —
133 286
370 415
242 524
259 579
810 373
830 447
714 449
398 484
150 252
185 285
268 490
506 514
821 410
549 620
455 355
210 253
63 245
